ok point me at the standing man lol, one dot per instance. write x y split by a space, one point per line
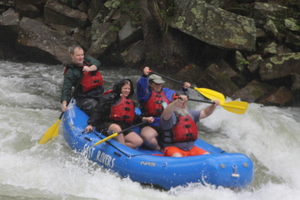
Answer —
83 74
180 129
153 98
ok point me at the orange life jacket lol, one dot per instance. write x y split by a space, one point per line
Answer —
123 111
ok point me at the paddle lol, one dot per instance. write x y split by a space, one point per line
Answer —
53 130
115 134
210 94
238 107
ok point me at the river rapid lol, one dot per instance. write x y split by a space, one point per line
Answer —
29 105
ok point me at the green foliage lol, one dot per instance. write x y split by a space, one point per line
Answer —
167 9
128 6
279 23
257 93
114 28
244 62
113 4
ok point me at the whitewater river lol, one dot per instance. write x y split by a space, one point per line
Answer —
29 105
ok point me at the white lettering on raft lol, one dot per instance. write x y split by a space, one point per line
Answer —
102 157
151 164
105 159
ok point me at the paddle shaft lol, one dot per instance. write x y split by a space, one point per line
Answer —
170 78
115 134
167 77
199 100
53 130
134 126
72 94
233 106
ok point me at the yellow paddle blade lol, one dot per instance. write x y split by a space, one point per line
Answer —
238 107
211 94
50 133
109 137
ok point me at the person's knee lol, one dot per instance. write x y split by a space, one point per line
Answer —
148 133
176 155
139 141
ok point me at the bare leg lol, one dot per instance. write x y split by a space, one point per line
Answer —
133 140
115 128
149 137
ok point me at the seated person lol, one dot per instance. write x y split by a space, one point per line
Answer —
180 128
116 111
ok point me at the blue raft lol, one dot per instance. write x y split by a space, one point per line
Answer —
219 168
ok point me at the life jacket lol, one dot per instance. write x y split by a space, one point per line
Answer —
123 111
185 129
89 80
154 105
107 92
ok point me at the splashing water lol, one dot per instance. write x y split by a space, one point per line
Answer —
29 105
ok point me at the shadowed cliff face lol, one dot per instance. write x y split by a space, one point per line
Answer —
243 49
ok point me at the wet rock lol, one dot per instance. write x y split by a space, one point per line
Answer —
280 97
135 54
253 91
254 62
278 66
293 41
296 83
292 24
274 48
37 37
262 12
272 30
97 9
104 36
219 77
59 14
28 10
9 18
214 25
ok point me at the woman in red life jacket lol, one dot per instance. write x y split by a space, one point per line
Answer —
83 74
180 129
114 112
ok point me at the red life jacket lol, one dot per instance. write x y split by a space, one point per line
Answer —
123 111
89 80
153 106
185 129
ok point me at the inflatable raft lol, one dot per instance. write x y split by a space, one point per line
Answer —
219 168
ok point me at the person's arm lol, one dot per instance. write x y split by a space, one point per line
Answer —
94 64
67 88
168 111
143 92
100 112
209 110
169 93
139 119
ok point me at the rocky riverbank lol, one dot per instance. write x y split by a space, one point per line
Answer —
247 50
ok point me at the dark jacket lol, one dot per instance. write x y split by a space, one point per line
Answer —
73 76
102 111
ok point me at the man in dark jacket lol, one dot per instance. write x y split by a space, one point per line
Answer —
83 74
